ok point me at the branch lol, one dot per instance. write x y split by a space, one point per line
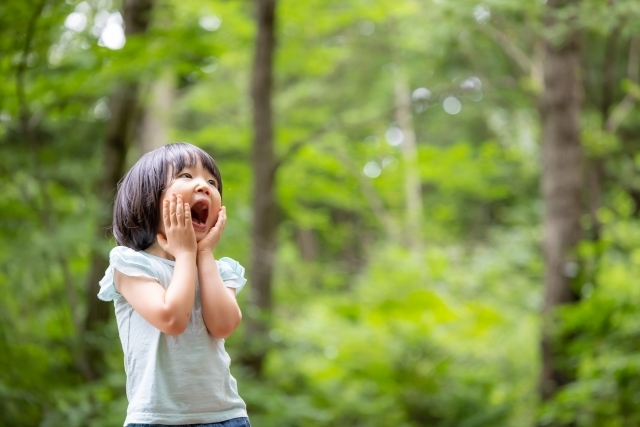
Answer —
509 48
297 145
375 202
623 109
330 127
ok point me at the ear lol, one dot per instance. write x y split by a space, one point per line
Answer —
162 241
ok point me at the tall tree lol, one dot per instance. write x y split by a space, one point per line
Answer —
156 122
265 213
118 140
562 179
412 184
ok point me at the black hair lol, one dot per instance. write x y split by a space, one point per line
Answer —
136 210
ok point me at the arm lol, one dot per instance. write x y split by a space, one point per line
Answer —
168 310
219 306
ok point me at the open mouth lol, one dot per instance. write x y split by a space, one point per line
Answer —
199 213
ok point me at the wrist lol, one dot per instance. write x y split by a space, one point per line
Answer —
204 253
187 256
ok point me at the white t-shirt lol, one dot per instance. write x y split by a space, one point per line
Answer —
183 379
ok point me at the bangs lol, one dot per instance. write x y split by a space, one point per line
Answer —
181 155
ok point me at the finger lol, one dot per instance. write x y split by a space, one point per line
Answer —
165 213
172 210
179 211
223 221
220 223
221 215
187 214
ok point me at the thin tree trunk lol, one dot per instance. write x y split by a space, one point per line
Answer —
412 183
562 182
307 244
265 215
124 109
157 113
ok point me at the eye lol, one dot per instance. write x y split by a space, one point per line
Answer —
185 175
212 182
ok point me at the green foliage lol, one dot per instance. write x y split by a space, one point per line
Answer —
365 332
397 347
604 344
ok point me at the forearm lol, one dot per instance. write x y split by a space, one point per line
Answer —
219 307
180 294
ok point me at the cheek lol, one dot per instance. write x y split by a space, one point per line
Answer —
217 205
217 202
161 216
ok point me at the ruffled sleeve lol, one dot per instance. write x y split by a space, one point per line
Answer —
129 262
232 273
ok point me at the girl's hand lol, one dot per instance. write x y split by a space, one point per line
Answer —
179 236
212 238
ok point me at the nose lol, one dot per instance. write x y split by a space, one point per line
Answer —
203 187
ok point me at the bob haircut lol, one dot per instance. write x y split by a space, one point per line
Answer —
136 210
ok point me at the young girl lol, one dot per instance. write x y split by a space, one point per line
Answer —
174 302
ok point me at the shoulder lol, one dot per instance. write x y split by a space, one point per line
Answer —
129 262
134 263
124 252
232 273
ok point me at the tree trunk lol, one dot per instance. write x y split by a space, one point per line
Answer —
562 181
124 109
157 113
265 215
412 183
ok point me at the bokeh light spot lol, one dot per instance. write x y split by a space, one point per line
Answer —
421 94
331 352
452 105
210 22
394 136
112 35
366 28
481 13
372 170
76 21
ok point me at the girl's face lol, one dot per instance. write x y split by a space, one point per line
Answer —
199 188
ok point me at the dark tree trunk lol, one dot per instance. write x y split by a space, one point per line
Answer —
562 184
265 214
124 109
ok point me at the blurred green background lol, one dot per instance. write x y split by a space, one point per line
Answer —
407 282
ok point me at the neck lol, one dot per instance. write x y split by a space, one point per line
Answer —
156 250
